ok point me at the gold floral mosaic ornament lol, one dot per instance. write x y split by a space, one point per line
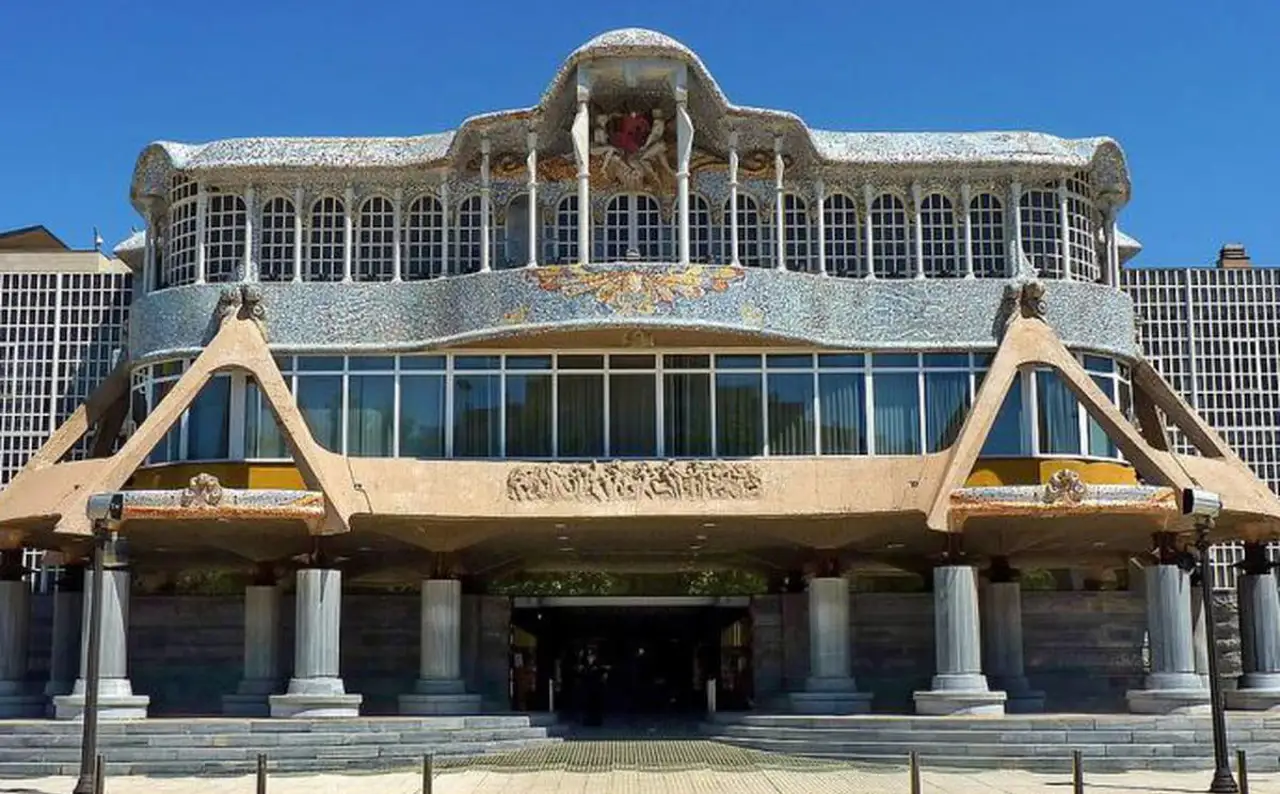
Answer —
636 290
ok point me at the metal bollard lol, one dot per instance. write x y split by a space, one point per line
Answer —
99 774
1242 767
1077 773
262 773
915 772
427 774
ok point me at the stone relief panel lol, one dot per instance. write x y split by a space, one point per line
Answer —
625 481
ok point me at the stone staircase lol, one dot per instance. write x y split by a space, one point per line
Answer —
231 746
1108 743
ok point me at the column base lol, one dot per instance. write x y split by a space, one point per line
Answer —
439 696
116 701
1021 698
1168 701
960 703
1253 698
315 697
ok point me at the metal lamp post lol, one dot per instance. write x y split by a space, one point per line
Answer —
1205 506
103 533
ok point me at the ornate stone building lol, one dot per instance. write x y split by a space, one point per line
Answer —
638 329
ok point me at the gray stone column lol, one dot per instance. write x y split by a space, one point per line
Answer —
316 688
1002 639
18 697
440 688
64 650
1172 686
830 688
116 700
1259 604
261 653
959 687
1199 634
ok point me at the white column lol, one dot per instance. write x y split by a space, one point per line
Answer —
959 687
486 205
820 195
966 197
1173 685
348 231
316 688
440 689
830 687
868 196
684 152
446 214
1199 635
1014 250
64 650
779 208
149 255
298 229
249 267
261 653
202 205
733 199
531 168
1112 275
1063 231
581 135
397 220
917 218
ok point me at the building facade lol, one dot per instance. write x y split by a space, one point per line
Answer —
638 330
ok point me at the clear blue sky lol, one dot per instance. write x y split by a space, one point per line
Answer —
1191 89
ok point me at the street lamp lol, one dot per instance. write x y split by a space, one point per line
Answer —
1204 506
104 524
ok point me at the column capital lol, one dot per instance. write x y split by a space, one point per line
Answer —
1255 561
1000 571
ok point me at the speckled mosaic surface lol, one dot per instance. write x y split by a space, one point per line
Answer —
824 311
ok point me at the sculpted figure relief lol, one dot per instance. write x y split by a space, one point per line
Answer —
624 481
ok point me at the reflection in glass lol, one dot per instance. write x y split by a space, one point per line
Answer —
1099 443
633 410
897 413
422 420
477 416
1006 437
320 401
207 427
790 413
262 437
580 416
946 402
1059 415
371 415
739 418
843 409
687 414
528 415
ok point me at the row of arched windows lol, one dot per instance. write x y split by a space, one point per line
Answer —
434 242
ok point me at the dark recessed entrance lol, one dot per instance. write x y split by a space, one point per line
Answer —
627 661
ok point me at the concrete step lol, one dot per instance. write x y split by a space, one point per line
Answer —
982 736
1007 723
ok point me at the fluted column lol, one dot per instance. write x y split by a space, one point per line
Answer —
531 167
1002 638
440 689
684 152
1259 612
18 695
316 688
581 134
830 687
959 687
115 692
486 204
1172 686
733 199
1199 633
261 652
64 650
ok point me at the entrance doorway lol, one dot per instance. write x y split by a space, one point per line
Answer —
609 661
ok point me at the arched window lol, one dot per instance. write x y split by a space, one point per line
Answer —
890 255
795 215
275 257
750 250
564 239
701 235
180 259
224 238
842 238
1041 227
468 243
986 223
632 223
938 232
1081 250
423 239
328 241
375 238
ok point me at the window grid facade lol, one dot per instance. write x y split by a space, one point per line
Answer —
375 236
890 251
799 251
1042 231
843 240
423 239
179 263
938 231
1082 249
468 243
751 249
564 239
703 246
328 237
986 223
276 251
224 238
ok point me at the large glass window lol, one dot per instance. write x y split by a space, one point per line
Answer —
422 407
843 404
946 398
262 436
890 251
477 407
327 251
896 392
276 253
224 239
687 405
633 406
842 237
751 251
375 240
791 404
1059 415
795 215
1041 231
207 421
938 231
581 406
528 406
739 419
1007 436
320 402
986 224
371 412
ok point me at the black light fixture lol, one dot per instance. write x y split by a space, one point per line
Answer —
1204 507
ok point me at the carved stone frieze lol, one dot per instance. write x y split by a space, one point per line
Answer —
632 481
1065 486
204 490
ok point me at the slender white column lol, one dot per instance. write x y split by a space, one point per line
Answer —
779 208
486 204
1063 231
582 153
733 199
64 651
531 167
440 688
1112 274
829 627
684 151
446 215
298 211
959 687
348 231
149 255
917 218
966 198
820 195
1013 251
397 220
316 688
1199 635
202 206
249 267
868 197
